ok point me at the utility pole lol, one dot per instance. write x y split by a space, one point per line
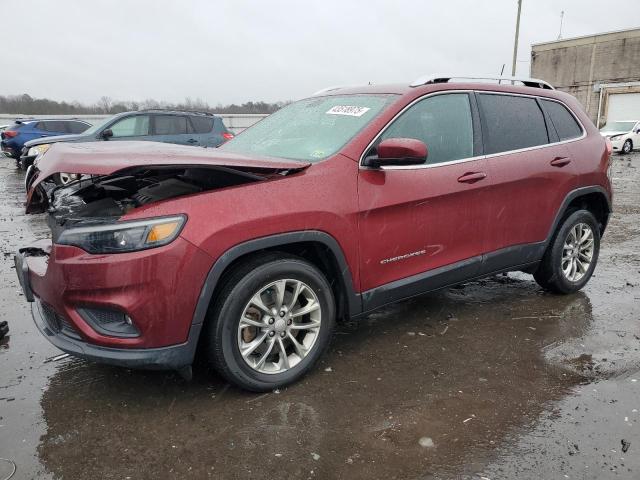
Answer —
561 20
515 42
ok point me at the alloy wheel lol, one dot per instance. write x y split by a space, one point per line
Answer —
577 252
279 326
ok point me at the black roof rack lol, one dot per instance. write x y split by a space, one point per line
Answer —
174 110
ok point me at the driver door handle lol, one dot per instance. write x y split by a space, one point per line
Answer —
560 161
472 177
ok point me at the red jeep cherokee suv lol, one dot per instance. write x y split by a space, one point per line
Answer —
331 207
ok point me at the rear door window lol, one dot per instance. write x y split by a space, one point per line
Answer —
511 123
135 126
443 122
56 126
202 124
170 125
564 122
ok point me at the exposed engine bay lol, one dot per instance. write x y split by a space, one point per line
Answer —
105 198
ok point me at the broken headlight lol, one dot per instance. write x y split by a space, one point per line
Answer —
124 236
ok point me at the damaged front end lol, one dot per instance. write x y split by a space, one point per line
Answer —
133 310
113 179
102 200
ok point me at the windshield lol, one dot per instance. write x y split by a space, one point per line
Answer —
618 127
99 126
311 129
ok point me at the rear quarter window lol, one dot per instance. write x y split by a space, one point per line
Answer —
564 122
511 123
202 124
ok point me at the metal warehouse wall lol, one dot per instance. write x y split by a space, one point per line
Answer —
580 65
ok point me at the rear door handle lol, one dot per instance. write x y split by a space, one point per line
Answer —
192 140
472 177
560 161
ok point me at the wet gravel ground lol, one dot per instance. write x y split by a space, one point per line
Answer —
491 380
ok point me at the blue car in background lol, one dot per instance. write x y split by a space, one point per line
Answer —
15 136
170 126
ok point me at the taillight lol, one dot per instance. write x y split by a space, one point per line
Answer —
609 158
9 134
227 135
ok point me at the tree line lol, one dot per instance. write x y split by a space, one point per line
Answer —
27 105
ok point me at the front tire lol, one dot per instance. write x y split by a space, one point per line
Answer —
627 146
270 323
572 255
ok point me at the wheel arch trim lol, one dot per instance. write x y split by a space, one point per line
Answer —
571 196
354 302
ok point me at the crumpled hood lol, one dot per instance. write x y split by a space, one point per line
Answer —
611 134
106 158
111 157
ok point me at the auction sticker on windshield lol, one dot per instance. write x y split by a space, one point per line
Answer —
349 110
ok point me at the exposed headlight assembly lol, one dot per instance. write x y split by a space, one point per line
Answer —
124 236
38 150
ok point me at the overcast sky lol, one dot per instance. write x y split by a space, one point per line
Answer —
239 50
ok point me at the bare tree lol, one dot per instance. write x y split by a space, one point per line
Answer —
26 105
105 104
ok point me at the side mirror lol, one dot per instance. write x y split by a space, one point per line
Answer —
107 134
398 151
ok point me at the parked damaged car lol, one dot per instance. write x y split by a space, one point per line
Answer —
330 208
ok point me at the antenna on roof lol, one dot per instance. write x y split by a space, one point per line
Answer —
561 21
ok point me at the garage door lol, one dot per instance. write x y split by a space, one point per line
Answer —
624 106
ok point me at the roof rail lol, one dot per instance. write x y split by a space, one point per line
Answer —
529 82
175 110
329 89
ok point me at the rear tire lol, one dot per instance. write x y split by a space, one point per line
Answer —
250 312
572 254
